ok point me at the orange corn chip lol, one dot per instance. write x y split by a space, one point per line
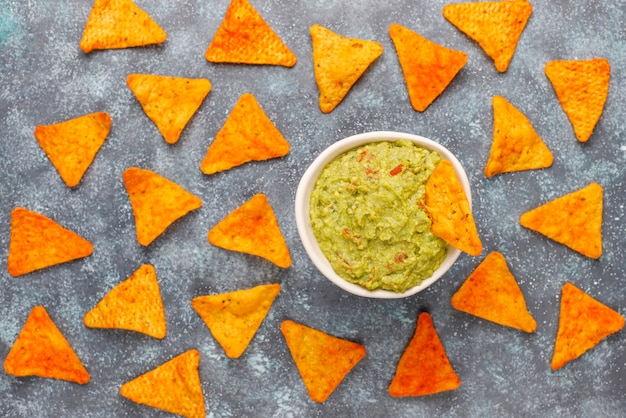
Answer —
492 293
247 135
38 242
428 68
516 146
574 220
338 63
41 350
169 102
116 24
424 368
323 360
157 202
583 323
495 25
253 229
234 318
174 386
135 305
449 210
72 145
245 38
582 88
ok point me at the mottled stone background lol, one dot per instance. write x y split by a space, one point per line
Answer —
45 78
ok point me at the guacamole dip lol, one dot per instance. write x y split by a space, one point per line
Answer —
366 212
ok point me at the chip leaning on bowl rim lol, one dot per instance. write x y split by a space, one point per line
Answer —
303 220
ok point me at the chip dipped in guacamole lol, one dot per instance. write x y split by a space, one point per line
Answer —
367 215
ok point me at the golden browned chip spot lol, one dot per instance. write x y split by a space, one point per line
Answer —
428 68
169 102
492 293
244 37
449 210
516 146
157 202
424 368
72 145
323 360
234 317
41 350
495 25
583 323
574 220
247 135
134 304
338 62
174 386
252 228
114 24
582 87
38 242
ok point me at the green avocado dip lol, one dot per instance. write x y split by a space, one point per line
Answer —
366 212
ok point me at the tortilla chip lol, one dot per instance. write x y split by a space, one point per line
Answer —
424 368
157 202
114 24
338 63
169 102
245 38
234 318
323 360
41 350
516 146
495 25
582 88
253 229
449 210
134 305
428 67
583 323
174 386
247 135
38 242
72 145
492 293
574 220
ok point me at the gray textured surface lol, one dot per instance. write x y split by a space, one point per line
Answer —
45 78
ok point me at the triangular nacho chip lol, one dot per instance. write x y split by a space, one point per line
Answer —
428 67
424 368
134 304
492 293
174 386
323 360
495 25
574 220
114 24
449 210
338 62
253 229
38 242
169 102
582 88
157 202
247 135
234 318
583 323
244 37
72 145
41 350
516 146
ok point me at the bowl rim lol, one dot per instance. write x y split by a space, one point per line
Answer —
303 220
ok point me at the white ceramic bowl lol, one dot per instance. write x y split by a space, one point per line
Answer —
303 220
